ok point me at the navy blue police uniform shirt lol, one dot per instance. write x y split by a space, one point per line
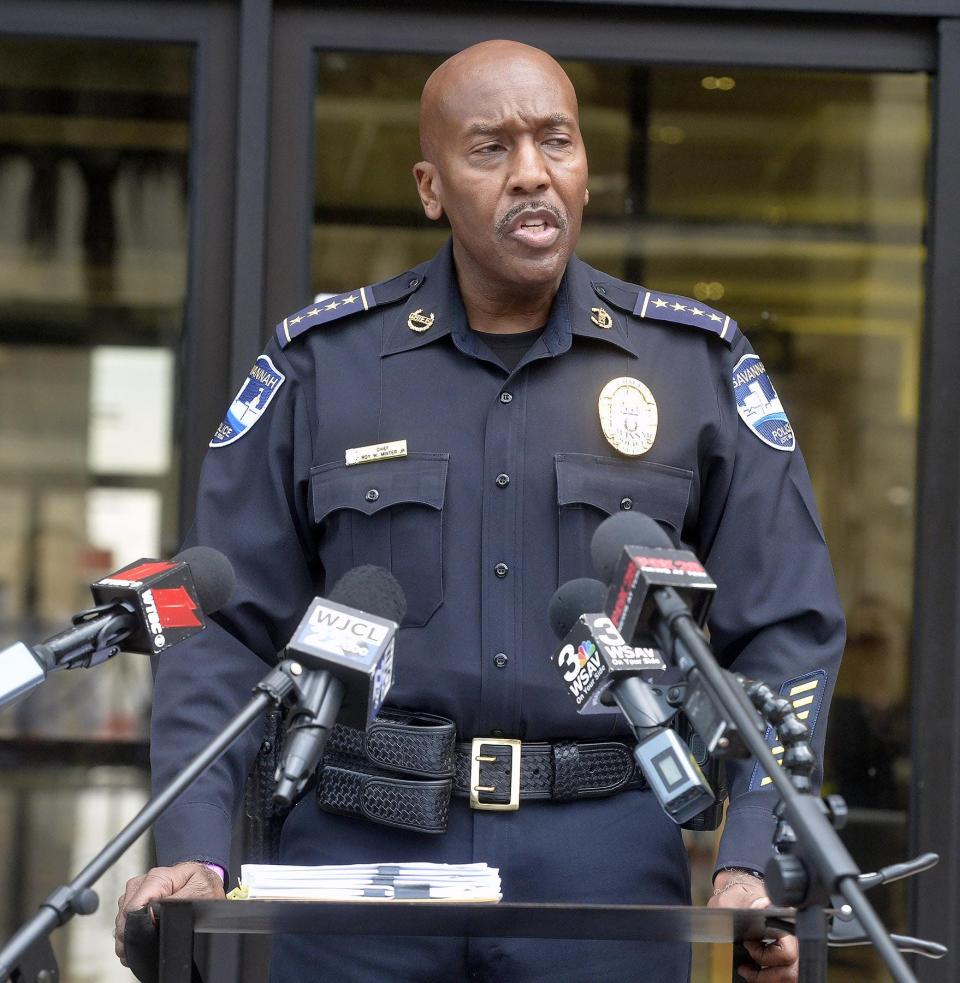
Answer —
505 479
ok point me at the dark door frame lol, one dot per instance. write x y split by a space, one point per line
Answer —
203 366
250 202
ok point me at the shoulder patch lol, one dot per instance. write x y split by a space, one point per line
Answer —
759 405
806 694
342 305
250 403
682 310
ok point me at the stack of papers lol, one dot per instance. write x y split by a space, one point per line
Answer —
371 882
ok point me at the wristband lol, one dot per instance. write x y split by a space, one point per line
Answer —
217 869
741 876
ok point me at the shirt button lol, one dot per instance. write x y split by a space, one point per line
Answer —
500 660
626 504
501 570
503 480
496 733
506 397
372 495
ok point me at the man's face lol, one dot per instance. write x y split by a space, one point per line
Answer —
508 169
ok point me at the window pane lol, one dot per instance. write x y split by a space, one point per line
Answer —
93 232
794 201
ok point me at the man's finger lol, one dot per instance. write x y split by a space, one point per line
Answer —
776 974
775 962
782 952
160 882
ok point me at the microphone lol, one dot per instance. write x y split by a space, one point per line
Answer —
596 663
600 669
654 587
345 643
146 607
636 557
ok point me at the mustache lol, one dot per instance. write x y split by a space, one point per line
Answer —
503 223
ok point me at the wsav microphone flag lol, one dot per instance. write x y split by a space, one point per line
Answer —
639 569
594 655
163 593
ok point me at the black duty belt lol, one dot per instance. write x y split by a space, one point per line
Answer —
404 768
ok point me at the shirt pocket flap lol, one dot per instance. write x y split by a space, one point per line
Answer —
419 479
610 485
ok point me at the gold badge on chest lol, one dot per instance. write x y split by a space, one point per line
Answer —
628 416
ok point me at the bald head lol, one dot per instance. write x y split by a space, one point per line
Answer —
504 162
468 82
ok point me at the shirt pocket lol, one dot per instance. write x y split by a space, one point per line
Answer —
389 513
590 488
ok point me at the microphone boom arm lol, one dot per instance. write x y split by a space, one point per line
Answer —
827 865
78 897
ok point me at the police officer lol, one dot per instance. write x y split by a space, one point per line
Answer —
505 398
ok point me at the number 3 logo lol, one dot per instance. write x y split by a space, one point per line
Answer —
567 656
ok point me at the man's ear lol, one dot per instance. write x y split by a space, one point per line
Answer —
428 187
586 197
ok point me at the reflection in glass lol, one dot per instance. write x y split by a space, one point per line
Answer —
93 231
94 139
793 201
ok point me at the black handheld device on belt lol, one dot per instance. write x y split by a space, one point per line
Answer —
713 772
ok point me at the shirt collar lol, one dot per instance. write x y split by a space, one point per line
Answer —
584 306
435 308
593 308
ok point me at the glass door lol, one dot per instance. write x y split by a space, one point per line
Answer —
94 217
795 201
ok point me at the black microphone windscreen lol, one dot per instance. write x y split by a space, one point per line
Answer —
623 529
372 590
212 574
572 599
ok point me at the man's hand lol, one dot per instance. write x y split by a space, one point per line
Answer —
778 961
186 880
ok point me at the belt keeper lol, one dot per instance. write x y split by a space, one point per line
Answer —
566 771
421 745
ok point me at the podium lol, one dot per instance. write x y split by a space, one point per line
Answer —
180 921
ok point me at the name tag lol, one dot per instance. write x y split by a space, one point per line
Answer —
376 452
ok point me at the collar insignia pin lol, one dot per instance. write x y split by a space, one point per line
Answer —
601 317
419 322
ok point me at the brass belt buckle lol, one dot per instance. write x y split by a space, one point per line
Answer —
478 758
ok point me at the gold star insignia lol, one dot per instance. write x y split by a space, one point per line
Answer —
678 307
659 303
314 312
349 300
296 320
696 310
332 306
713 317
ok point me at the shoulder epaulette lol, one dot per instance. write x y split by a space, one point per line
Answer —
343 305
656 306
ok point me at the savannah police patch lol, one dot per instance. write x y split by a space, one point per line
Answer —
250 403
759 405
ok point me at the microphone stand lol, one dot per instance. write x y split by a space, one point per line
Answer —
819 865
28 951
